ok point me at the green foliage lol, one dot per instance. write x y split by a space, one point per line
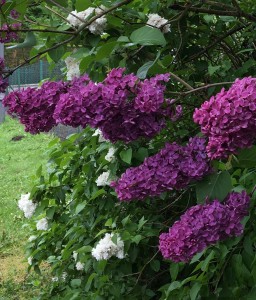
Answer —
205 46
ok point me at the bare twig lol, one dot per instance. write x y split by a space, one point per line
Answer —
189 87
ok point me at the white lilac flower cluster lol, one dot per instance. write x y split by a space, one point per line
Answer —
156 21
98 133
30 260
27 206
104 179
72 67
110 155
96 27
42 224
79 265
106 248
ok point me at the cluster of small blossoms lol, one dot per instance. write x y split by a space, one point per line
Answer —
72 67
104 179
106 248
8 32
27 206
122 106
228 119
96 27
174 167
3 82
35 106
156 21
203 225
111 154
42 224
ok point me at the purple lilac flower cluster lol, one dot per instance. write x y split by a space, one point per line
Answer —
3 82
114 107
204 225
174 167
228 119
8 32
35 107
122 107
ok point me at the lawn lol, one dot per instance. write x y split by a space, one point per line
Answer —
20 156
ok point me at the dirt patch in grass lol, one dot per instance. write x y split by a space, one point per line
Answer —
14 267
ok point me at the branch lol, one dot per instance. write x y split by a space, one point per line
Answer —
189 87
204 87
230 32
233 13
75 34
40 30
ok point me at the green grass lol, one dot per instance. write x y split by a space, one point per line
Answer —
19 159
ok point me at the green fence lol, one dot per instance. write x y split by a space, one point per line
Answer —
34 73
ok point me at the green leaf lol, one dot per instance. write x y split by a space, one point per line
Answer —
215 186
80 207
89 281
126 155
195 290
105 51
148 36
174 286
205 264
141 154
50 212
82 4
246 158
155 265
75 283
174 270
56 54
213 69
142 72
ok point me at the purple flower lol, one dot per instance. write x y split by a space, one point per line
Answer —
112 106
228 119
7 34
174 167
203 225
35 107
14 14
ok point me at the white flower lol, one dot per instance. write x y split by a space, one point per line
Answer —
75 254
110 155
156 21
42 224
79 266
55 279
30 258
103 179
27 206
96 27
107 248
99 133
72 67
32 238
64 276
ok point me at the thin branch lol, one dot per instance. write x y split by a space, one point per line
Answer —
230 32
75 34
57 14
204 87
40 30
232 13
67 11
140 273
189 87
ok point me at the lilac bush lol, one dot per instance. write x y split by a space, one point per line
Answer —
204 225
228 119
174 167
8 32
34 107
